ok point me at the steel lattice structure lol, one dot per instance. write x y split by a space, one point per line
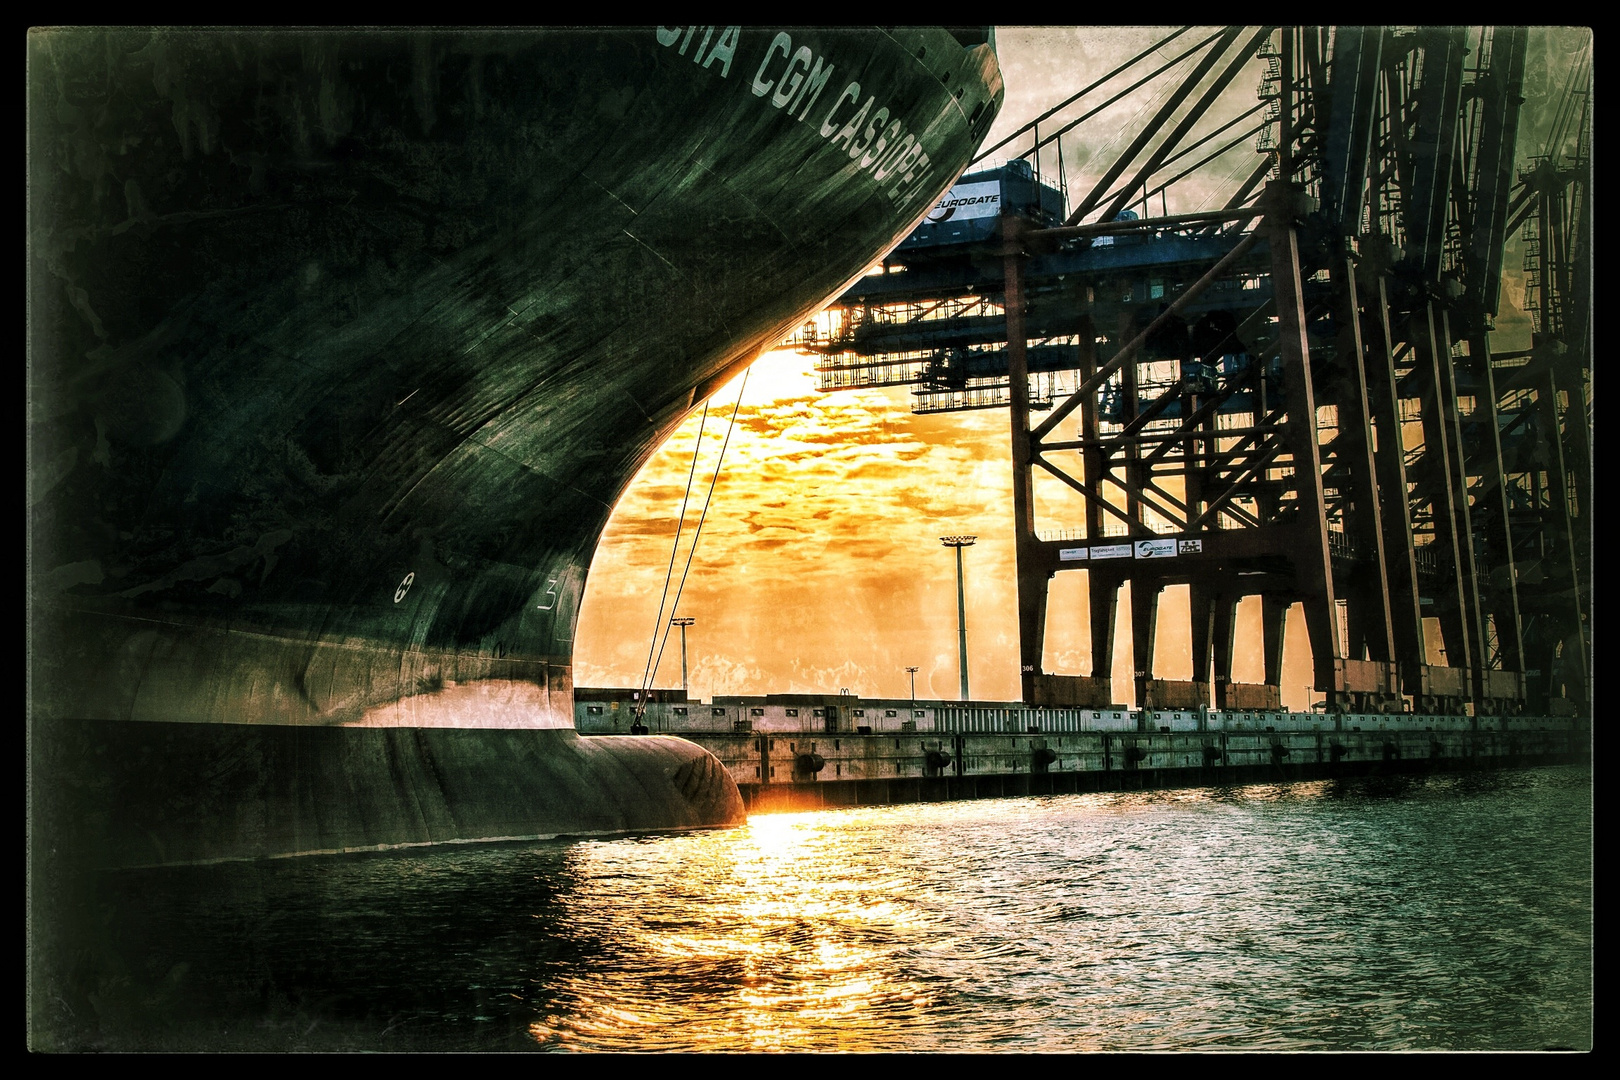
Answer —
1296 396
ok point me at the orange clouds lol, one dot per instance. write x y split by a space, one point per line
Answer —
820 565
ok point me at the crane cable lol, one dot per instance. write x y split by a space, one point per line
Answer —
1049 113
670 572
696 535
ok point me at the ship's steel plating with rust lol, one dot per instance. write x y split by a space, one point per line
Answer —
343 345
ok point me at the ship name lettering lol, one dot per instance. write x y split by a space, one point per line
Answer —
876 153
829 126
846 134
724 49
783 42
886 166
795 86
915 166
893 156
859 148
792 79
812 87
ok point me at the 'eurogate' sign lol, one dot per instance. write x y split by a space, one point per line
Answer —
965 202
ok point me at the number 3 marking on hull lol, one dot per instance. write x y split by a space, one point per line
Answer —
551 595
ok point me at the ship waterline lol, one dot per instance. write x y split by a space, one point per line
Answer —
344 345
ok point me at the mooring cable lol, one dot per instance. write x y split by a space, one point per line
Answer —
646 675
698 532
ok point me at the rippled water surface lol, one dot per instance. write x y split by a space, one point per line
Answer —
1413 913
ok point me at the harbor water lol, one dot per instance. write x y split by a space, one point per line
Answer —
1439 912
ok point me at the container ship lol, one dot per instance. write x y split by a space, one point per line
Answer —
342 347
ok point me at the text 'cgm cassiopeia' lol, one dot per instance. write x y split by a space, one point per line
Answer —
794 80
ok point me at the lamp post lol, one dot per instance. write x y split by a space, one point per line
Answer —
913 673
683 622
960 542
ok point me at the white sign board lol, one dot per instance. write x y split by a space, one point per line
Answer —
1071 554
966 201
1110 551
1190 547
1155 549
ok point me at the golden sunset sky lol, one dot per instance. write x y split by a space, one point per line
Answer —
820 566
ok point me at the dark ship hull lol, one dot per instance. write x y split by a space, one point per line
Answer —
343 347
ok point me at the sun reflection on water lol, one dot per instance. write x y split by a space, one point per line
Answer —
1209 917
786 929
1304 916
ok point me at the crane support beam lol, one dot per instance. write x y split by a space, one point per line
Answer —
1293 398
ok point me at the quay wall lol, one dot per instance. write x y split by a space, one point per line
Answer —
806 768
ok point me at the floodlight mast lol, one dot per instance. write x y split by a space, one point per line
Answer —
960 542
683 622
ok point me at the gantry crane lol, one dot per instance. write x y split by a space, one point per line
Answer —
1294 396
